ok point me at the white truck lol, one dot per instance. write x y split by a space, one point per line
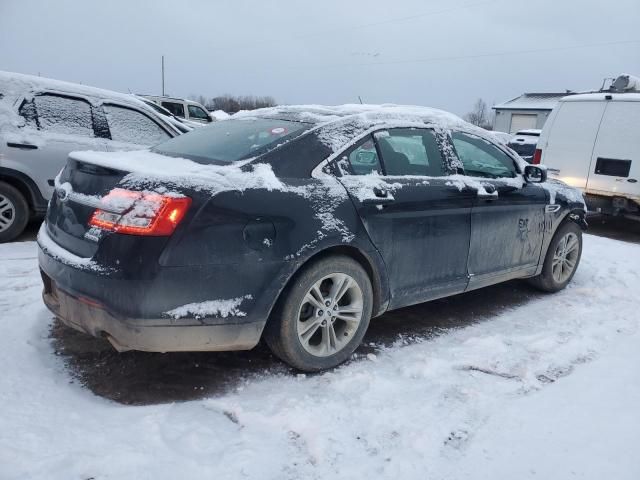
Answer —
592 141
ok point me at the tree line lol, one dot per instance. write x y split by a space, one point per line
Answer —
235 103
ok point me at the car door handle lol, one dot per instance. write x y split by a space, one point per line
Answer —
22 146
488 192
380 192
382 197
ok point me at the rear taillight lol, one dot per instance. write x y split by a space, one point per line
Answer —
140 213
537 157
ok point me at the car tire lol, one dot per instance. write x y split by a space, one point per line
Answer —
14 212
564 251
316 324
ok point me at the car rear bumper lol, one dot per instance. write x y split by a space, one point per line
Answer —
150 335
160 309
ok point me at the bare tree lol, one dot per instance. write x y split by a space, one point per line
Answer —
479 115
232 104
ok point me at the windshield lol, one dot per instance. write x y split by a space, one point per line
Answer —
231 140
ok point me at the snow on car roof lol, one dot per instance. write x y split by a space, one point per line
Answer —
14 84
322 114
339 124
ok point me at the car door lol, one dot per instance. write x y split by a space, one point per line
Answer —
55 124
507 218
130 129
418 220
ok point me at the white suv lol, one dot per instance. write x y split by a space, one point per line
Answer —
42 120
182 108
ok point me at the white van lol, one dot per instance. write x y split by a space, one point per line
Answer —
185 109
592 141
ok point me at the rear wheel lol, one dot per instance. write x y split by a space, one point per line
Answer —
322 316
14 212
561 260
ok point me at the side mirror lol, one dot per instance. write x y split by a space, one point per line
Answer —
210 118
535 174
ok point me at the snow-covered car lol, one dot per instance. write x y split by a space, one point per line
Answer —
297 225
524 143
42 120
182 108
181 124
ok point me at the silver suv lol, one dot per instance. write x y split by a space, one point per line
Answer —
42 120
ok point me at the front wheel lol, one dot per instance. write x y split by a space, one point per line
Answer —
323 315
561 260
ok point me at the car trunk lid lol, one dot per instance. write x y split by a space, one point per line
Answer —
78 191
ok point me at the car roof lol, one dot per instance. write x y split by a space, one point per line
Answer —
18 82
161 98
361 117
340 126
602 96
14 86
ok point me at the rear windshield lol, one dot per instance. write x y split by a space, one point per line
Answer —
230 140
523 149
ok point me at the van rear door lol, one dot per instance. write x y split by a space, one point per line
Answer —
615 165
569 143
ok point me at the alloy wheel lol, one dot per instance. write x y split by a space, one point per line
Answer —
7 213
330 314
565 257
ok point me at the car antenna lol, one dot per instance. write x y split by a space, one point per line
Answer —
360 98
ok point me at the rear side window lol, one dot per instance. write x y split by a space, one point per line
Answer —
131 126
176 109
410 152
613 167
482 159
61 114
197 112
363 158
231 140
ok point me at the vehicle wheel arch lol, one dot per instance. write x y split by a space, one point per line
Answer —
24 185
378 281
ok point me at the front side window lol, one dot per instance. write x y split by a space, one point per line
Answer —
130 126
61 114
482 159
410 152
197 112
176 109
363 158
231 140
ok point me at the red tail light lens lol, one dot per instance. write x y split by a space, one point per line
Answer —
140 213
537 157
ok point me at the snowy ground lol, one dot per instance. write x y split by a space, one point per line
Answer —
549 388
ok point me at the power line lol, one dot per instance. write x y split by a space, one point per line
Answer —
465 57
350 28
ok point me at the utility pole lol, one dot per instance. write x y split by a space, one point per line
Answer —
163 75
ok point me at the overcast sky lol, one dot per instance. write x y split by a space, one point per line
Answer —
436 53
